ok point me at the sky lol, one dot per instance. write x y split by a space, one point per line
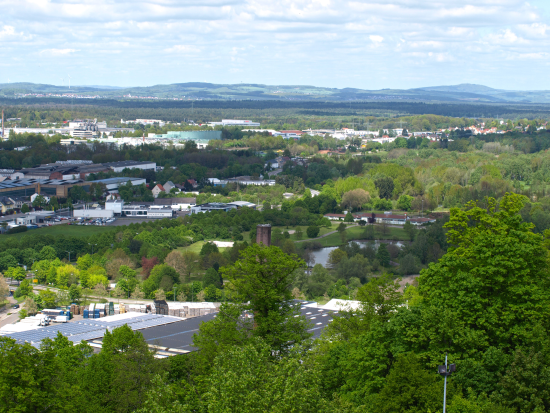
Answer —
376 44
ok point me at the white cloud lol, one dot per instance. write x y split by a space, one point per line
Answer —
506 37
376 39
282 42
57 52
182 48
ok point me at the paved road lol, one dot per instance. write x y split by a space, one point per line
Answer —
12 318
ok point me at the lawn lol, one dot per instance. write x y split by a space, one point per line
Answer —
63 229
197 246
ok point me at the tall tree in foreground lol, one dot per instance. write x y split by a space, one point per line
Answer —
262 283
492 286
264 276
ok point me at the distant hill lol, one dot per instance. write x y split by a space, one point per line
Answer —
250 91
464 87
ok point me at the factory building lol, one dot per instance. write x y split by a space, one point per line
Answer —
194 135
52 187
122 165
147 211
212 206
234 122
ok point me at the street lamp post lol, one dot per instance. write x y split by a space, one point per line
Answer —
174 294
69 252
92 247
445 371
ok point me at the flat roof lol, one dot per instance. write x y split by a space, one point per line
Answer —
180 334
128 163
16 183
115 180
89 329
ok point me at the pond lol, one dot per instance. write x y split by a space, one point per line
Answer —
321 256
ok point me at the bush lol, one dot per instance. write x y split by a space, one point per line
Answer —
17 230
208 248
383 204
313 231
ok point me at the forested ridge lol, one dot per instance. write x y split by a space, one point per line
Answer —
177 110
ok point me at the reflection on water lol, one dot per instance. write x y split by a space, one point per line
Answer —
321 256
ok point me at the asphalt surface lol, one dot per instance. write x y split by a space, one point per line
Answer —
13 317
179 335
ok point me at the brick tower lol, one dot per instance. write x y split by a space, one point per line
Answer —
263 234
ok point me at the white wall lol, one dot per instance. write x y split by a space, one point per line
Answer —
116 207
93 213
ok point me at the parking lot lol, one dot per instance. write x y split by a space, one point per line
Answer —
93 221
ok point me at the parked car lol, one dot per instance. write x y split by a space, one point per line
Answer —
16 306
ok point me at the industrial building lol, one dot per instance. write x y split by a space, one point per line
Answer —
61 170
146 211
112 184
193 135
122 165
28 187
169 335
242 180
117 208
86 129
212 206
178 204
78 169
234 122
97 212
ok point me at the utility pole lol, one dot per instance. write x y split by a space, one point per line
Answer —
445 371
69 255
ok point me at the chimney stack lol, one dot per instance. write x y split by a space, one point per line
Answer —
263 234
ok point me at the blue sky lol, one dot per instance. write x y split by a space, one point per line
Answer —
365 44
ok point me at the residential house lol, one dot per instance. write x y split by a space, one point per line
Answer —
157 190
6 204
19 202
168 186
273 163
35 195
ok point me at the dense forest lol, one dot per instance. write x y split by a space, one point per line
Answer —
316 114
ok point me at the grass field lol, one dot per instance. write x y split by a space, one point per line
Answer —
196 247
68 230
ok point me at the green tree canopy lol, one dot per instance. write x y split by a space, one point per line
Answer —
264 277
492 286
